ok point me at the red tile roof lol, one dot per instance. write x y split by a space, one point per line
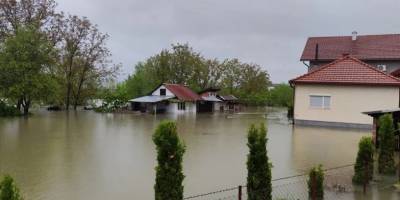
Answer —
365 47
347 71
183 93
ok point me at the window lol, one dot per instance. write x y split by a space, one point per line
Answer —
181 106
163 92
317 101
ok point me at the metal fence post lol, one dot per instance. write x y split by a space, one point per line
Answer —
366 177
240 192
313 187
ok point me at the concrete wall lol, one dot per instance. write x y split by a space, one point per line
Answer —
157 91
347 102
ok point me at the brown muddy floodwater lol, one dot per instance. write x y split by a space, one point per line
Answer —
86 155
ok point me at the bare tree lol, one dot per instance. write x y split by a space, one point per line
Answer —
15 13
83 57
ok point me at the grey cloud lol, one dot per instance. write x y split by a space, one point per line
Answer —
269 33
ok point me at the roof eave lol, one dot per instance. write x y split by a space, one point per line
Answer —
343 83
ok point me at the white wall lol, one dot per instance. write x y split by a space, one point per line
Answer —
347 102
191 107
157 91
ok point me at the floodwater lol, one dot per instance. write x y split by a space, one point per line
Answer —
86 155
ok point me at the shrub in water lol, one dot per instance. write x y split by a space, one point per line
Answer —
363 169
386 164
316 183
8 189
170 150
258 166
6 110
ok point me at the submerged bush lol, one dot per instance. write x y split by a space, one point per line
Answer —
316 183
6 110
170 150
258 166
8 189
363 169
386 164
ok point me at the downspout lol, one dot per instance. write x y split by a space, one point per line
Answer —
308 66
294 99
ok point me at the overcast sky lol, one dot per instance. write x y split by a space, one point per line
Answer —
269 33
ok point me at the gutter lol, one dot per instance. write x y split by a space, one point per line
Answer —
308 66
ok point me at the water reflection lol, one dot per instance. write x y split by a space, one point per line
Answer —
85 155
330 147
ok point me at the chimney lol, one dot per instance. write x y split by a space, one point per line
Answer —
316 51
354 35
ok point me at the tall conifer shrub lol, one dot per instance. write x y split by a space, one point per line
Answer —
386 164
258 166
363 169
170 150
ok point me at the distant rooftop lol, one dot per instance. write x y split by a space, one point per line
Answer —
363 47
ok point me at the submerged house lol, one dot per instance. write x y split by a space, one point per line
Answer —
175 98
210 101
230 103
337 94
215 102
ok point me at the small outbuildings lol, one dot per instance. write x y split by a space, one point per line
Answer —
376 114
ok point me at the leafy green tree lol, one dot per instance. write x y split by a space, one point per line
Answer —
363 169
140 83
315 183
258 166
182 65
8 189
170 150
25 61
281 95
386 164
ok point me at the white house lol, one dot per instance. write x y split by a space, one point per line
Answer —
337 94
170 98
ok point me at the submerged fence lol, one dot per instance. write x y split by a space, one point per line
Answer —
337 185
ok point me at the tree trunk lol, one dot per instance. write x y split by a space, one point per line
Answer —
78 93
68 97
19 102
26 105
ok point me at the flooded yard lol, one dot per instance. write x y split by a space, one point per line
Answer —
86 155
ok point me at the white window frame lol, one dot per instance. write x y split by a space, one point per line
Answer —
326 105
181 106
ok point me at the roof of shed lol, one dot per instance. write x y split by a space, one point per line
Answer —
228 97
211 98
347 71
151 99
365 47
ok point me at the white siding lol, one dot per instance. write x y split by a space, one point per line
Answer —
190 107
157 91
